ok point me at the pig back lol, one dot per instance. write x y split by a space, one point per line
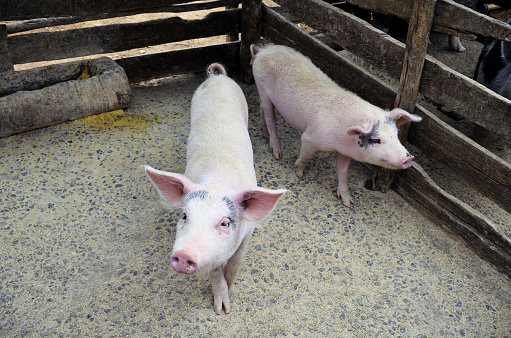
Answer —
219 146
295 86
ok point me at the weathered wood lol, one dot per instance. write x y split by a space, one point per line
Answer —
466 97
22 26
350 32
439 83
448 15
250 33
479 233
102 86
416 47
191 60
112 38
6 64
482 169
27 9
458 17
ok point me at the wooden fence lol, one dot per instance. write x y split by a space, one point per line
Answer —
409 63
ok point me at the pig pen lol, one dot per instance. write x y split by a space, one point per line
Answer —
86 243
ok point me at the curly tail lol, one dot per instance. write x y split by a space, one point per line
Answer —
215 69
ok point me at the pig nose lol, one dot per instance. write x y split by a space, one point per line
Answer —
183 261
407 163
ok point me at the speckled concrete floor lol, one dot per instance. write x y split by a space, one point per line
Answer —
85 243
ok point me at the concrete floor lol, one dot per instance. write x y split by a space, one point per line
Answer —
85 243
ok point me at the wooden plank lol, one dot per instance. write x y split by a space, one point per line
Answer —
420 24
454 16
250 33
112 38
439 83
191 60
22 26
482 169
6 64
448 15
35 9
479 233
466 97
350 32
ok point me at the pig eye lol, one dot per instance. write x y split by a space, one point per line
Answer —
225 224
374 141
184 217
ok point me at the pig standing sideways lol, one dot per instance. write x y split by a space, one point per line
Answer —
330 118
218 193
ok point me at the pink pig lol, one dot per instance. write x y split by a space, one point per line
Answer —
218 193
329 117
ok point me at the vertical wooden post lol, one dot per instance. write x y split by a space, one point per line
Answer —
234 35
5 55
251 25
417 39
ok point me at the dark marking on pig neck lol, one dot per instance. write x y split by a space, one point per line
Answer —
196 194
233 211
365 139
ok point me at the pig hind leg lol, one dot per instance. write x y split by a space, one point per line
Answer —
307 151
269 124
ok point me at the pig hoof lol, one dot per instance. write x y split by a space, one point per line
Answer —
346 200
277 154
299 173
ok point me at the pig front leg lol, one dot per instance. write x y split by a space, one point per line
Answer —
269 123
343 164
220 290
235 262
307 151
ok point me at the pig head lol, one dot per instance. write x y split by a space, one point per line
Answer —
329 117
218 194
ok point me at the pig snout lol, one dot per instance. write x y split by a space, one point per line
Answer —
183 261
407 162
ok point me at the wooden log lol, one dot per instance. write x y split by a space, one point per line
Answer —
478 232
6 64
117 37
417 189
100 85
439 83
250 33
190 60
22 26
416 47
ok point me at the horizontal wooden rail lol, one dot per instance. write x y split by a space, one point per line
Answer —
117 37
440 84
12 10
478 232
190 60
448 15
22 26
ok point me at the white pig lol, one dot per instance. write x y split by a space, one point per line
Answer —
218 193
329 117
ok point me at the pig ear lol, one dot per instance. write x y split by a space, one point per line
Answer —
402 116
364 126
257 202
171 187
